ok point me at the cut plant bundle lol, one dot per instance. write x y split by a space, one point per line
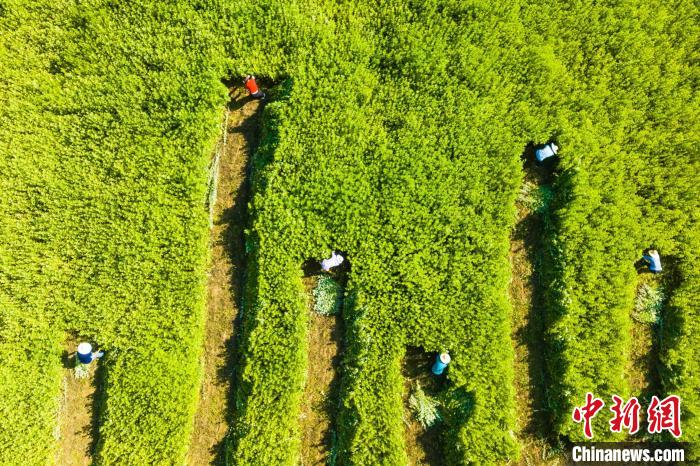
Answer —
425 409
327 296
649 303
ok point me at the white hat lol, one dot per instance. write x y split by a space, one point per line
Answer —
84 348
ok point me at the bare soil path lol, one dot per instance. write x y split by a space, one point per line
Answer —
526 294
641 370
643 366
423 446
319 404
225 281
77 416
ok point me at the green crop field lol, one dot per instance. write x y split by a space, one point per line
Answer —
393 132
109 115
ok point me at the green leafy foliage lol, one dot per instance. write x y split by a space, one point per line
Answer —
327 296
109 111
394 134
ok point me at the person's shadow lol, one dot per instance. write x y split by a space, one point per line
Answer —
642 266
311 267
232 221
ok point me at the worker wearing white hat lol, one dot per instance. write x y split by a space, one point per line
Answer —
654 260
333 261
545 152
86 355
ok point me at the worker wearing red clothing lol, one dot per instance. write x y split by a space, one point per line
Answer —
252 87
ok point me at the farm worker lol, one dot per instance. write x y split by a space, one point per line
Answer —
86 355
654 260
252 87
441 362
334 261
546 151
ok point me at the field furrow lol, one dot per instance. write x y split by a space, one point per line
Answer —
527 295
224 284
319 406
77 417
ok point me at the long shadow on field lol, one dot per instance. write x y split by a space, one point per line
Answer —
424 446
232 238
646 371
530 232
97 401
321 400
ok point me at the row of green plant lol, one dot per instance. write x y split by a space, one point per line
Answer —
30 343
110 112
413 170
680 351
590 278
627 181
382 144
